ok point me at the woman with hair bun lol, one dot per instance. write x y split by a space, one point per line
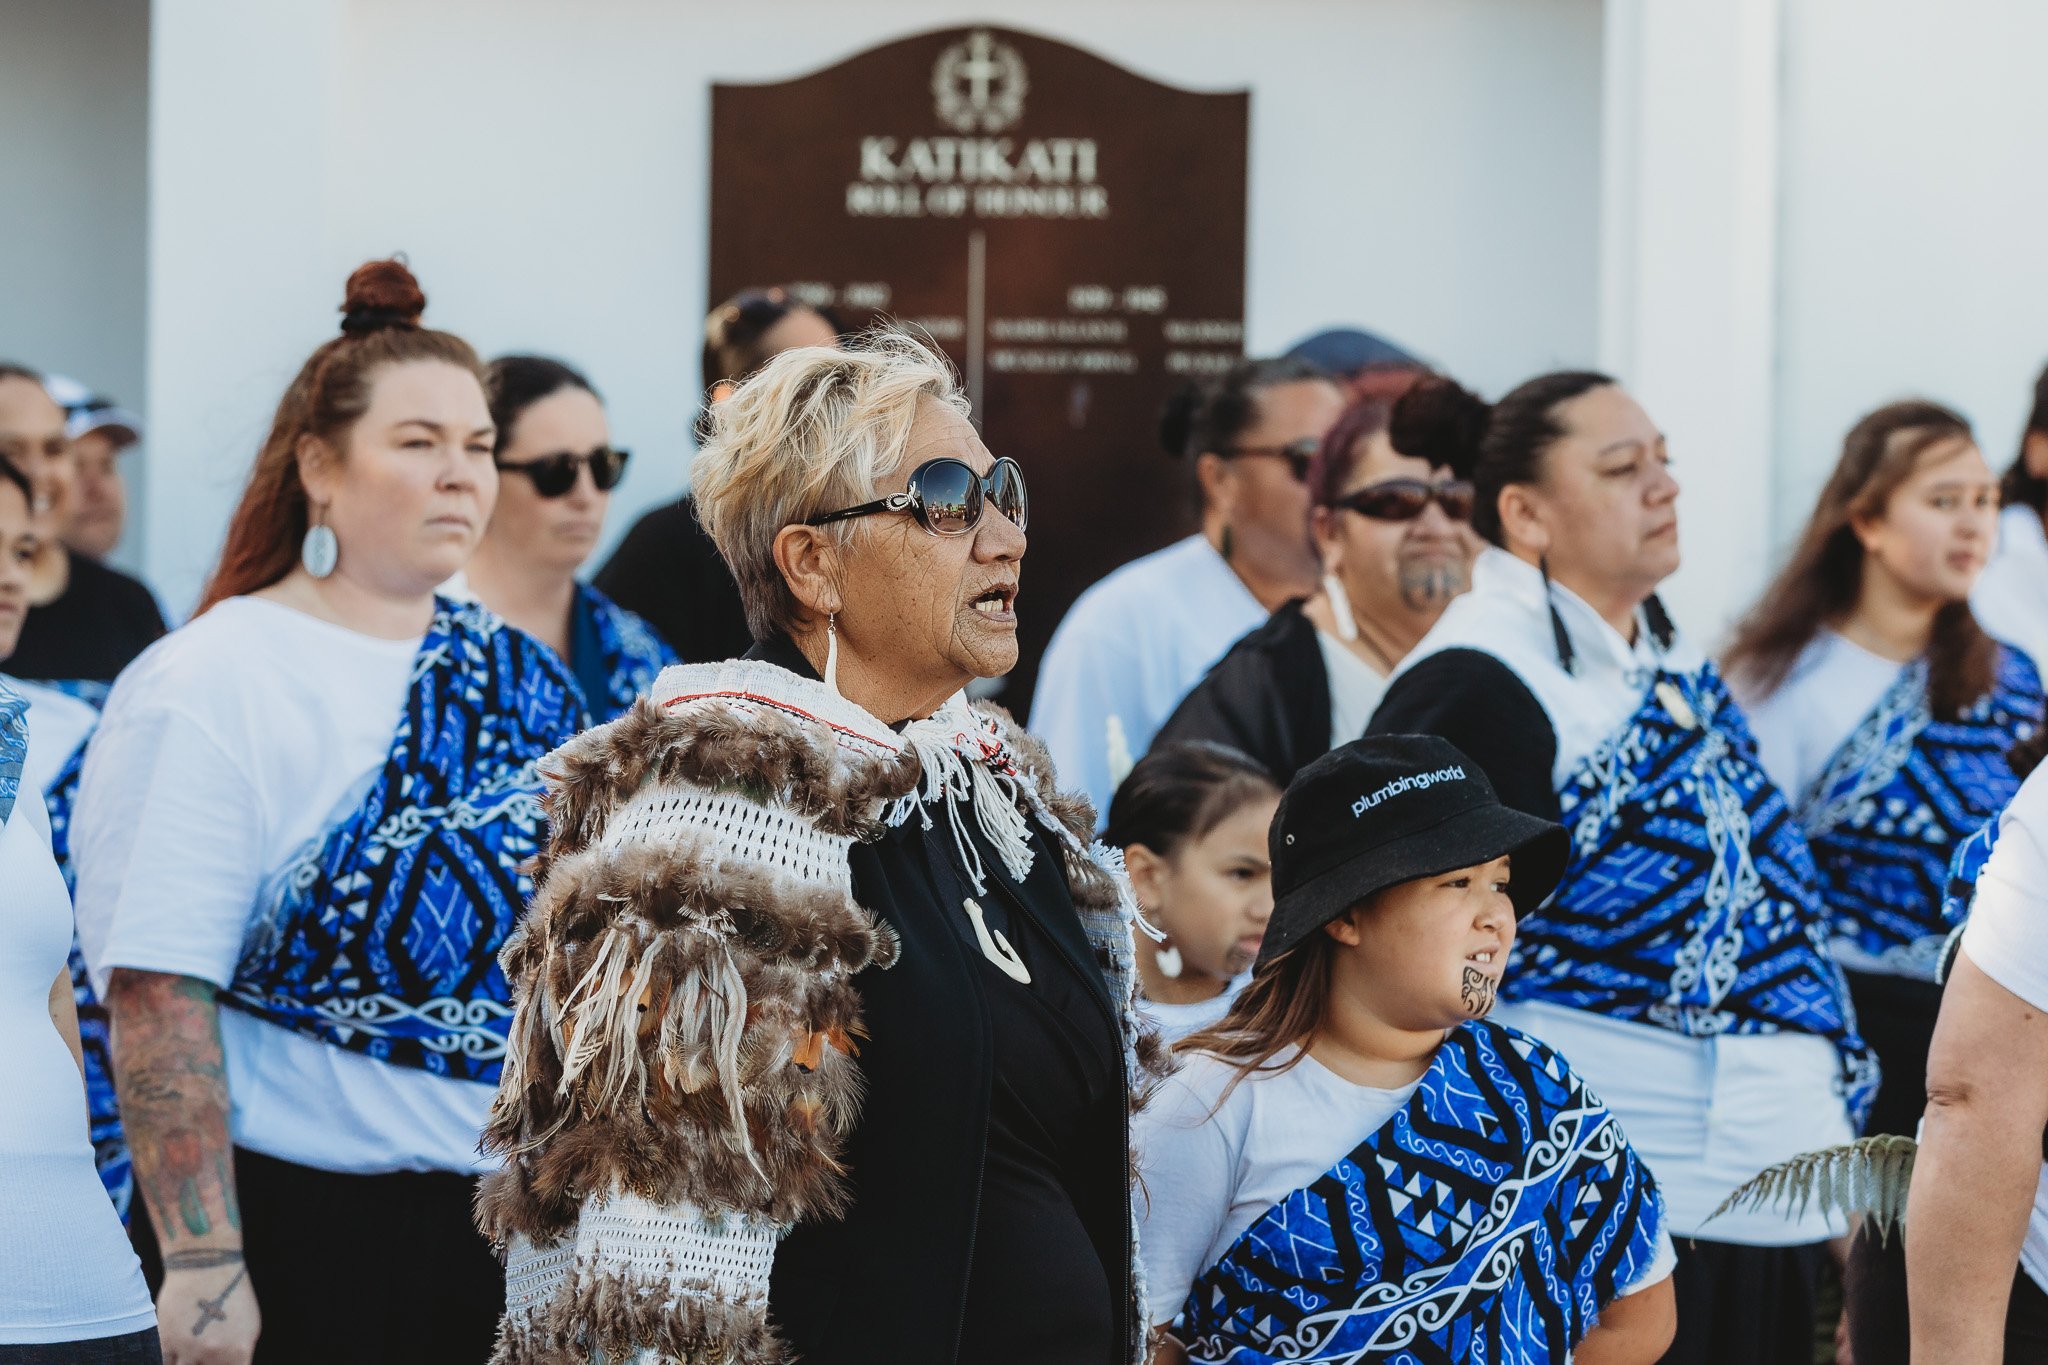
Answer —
1191 820
1131 646
1886 713
299 840
553 441
1683 961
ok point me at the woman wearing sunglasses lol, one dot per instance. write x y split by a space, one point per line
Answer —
1392 528
1131 646
1683 961
556 469
826 1038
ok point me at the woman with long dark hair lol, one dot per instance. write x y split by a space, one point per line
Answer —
2011 598
1885 712
299 841
555 446
1683 962
1356 1163
1191 821
1132 645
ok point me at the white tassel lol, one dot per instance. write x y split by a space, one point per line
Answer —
832 654
1340 608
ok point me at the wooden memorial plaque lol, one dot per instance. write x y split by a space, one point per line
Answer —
1071 233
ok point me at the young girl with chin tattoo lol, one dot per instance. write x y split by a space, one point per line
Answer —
1355 1163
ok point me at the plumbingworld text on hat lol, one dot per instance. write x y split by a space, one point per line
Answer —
1412 782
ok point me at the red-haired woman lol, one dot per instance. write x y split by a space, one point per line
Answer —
1885 712
297 840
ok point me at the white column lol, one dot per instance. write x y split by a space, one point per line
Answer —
240 103
1688 288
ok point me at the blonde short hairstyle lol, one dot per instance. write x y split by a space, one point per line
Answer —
812 431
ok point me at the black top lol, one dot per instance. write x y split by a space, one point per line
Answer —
94 630
990 1167
1479 704
1268 697
668 571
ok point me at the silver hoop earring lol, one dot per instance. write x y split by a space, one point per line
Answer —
319 551
832 653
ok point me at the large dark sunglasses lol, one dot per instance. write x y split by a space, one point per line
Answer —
947 497
1298 454
554 475
1407 499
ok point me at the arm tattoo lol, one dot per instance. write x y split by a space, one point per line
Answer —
212 1310
1476 992
171 1081
202 1258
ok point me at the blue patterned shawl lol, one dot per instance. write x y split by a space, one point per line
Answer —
383 936
631 655
13 746
1491 1219
1690 899
1897 799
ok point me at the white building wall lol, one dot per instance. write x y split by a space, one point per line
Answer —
74 130
1915 199
1428 168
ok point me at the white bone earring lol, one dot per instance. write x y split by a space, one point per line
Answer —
319 551
832 653
1167 960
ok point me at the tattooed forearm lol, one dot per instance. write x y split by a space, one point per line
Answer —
202 1258
1477 992
213 1310
171 1080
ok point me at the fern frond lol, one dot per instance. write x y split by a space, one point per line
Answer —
1867 1178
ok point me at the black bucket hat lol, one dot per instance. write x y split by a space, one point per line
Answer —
1389 809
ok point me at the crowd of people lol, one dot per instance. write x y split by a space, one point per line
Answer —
1391 937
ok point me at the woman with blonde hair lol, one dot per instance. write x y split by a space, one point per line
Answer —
825 1040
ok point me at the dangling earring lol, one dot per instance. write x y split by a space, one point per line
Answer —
1229 545
832 653
1167 959
319 551
1557 630
1340 608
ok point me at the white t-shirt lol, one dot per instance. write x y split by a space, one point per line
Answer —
2007 939
225 749
1706 1115
1355 689
1130 648
1830 689
1210 1170
67 1272
1176 1022
2011 597
57 724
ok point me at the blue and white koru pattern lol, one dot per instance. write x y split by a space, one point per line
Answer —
384 936
1690 900
633 655
13 747
1490 1220
1896 799
95 1028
